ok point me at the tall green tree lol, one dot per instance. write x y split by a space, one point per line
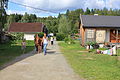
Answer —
10 19
32 18
105 11
25 18
67 13
64 26
92 11
18 17
87 11
52 24
3 6
59 15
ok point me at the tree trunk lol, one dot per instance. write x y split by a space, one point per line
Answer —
0 32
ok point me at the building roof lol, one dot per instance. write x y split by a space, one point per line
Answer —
100 21
26 27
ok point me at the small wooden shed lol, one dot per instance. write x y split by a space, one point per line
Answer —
29 29
99 29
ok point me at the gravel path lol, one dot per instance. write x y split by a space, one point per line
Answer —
53 66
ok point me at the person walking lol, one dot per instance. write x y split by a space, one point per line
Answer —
38 43
45 43
23 43
51 39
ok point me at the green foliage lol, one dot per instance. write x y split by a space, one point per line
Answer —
25 18
59 16
17 36
41 34
69 40
87 11
67 13
64 26
60 36
10 19
32 18
3 15
76 36
90 43
52 25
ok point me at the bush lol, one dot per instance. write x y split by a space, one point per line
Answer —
76 36
41 34
60 36
90 43
93 44
69 40
17 36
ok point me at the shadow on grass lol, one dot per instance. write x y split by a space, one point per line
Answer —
11 53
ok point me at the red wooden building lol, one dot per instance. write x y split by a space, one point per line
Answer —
99 29
29 29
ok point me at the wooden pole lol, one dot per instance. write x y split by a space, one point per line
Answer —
117 36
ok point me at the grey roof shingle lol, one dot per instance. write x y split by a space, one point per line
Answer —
100 21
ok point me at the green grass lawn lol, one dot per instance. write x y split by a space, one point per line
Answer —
12 49
118 52
91 66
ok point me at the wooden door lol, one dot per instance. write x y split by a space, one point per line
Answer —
113 36
100 36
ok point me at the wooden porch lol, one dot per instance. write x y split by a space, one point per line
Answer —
115 36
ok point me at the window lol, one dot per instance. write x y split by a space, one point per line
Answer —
90 33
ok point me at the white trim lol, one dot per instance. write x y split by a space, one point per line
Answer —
29 36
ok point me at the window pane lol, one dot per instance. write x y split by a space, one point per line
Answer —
90 33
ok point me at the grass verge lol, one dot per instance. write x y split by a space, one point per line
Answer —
91 66
12 49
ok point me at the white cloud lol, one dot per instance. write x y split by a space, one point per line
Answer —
113 4
52 5
94 4
62 5
14 12
42 14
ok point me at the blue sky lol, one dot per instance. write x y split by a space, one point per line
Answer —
58 6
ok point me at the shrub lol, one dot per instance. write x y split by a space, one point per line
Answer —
66 39
60 36
17 36
41 34
76 36
69 40
90 43
93 44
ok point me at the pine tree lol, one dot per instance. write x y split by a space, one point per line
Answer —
59 16
67 13
92 11
25 18
87 11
